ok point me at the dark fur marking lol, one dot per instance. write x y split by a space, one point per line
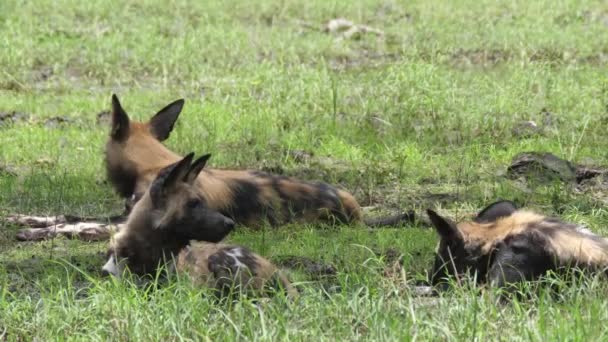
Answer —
162 123
406 217
123 179
120 121
496 211
246 201
519 258
328 196
311 196
225 268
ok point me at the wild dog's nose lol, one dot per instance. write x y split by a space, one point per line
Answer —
105 273
228 224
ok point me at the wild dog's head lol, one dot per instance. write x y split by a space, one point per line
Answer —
460 252
164 220
134 147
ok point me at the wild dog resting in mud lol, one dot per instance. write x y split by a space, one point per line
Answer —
161 226
134 154
503 246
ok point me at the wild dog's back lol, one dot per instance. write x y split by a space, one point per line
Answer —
504 245
225 267
568 242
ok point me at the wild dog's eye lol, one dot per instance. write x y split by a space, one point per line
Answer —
193 204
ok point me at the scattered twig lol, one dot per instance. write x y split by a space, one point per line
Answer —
48 227
343 28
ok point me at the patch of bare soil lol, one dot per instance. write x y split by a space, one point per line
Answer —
12 117
104 117
8 170
314 268
542 167
463 58
545 167
59 121
325 275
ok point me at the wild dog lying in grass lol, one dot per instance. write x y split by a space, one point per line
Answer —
504 246
134 154
162 224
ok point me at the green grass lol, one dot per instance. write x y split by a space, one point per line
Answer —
428 109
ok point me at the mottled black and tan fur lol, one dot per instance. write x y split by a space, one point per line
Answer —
134 154
504 245
171 225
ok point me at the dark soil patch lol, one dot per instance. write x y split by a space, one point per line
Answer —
42 73
58 121
390 255
12 117
543 167
547 167
7 170
493 57
307 265
104 117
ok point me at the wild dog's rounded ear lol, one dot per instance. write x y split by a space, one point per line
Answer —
162 122
168 177
120 121
444 227
496 211
196 168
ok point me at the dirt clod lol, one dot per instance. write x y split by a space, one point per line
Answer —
12 117
307 265
526 129
301 156
547 167
58 121
104 117
541 167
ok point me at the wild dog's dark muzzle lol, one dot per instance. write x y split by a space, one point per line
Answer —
228 224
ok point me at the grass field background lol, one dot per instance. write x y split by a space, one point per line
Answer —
425 116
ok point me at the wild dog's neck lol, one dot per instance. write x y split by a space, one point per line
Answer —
142 225
131 165
146 153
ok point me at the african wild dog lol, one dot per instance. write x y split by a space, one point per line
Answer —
504 245
134 154
161 226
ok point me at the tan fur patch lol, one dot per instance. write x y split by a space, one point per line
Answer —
488 234
194 260
142 156
350 205
573 246
567 243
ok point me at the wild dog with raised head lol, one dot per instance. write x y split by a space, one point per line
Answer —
134 154
504 245
162 224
